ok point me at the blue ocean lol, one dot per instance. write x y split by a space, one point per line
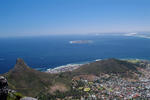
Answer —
52 51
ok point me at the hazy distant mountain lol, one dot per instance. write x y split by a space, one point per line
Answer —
141 35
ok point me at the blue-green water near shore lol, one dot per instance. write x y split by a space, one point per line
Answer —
52 51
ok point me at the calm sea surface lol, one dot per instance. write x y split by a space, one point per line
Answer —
53 51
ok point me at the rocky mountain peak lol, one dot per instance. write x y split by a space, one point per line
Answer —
20 64
20 61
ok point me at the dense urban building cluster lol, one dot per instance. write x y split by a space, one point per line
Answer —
113 86
65 68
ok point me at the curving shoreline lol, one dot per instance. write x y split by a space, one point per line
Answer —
68 67
71 67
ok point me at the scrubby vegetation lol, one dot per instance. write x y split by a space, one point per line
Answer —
14 96
106 66
42 85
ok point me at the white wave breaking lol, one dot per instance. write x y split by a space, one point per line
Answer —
68 67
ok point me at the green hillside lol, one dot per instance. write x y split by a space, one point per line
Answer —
107 66
31 82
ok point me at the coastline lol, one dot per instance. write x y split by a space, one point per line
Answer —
138 35
68 67
73 66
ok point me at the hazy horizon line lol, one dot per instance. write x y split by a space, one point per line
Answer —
60 34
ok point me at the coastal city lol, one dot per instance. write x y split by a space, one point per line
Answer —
113 86
65 68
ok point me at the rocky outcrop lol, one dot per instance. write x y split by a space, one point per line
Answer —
3 88
8 94
28 98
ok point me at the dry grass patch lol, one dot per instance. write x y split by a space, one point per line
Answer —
58 87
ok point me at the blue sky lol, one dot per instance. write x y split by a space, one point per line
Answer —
45 17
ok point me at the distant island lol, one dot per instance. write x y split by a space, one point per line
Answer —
81 42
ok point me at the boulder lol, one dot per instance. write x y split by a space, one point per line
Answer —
3 88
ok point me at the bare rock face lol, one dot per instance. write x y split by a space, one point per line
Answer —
3 88
28 98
